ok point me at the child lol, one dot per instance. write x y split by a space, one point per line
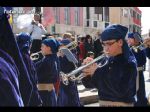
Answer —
48 71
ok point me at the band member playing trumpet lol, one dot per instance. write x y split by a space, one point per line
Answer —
67 94
116 81
134 39
48 71
24 42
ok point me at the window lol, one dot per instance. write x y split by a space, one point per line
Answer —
134 14
88 13
125 12
57 14
77 15
131 13
87 23
106 14
67 15
98 10
95 23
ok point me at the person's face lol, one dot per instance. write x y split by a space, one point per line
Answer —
112 47
45 49
89 40
92 56
132 42
36 17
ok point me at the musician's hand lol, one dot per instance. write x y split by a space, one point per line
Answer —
60 54
89 71
147 42
41 26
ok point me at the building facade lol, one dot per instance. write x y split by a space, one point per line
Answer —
82 20
127 16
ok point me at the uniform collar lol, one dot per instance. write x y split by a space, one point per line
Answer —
118 58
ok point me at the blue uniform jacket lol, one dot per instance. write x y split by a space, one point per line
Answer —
116 81
68 94
47 69
140 57
9 84
65 65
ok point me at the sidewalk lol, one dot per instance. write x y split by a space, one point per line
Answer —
88 96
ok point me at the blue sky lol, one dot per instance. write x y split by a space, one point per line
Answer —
145 20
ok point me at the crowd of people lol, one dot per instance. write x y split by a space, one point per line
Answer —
27 82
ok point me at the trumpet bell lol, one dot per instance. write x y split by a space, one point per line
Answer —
72 45
35 56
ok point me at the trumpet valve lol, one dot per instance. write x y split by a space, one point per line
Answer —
64 78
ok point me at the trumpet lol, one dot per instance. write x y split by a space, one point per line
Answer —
72 76
71 45
142 45
35 56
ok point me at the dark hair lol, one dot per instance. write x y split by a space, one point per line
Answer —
90 53
88 37
82 39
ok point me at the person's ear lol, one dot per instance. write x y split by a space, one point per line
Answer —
120 42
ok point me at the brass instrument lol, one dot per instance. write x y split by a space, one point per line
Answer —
35 56
72 76
70 46
142 45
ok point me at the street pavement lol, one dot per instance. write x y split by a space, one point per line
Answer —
89 97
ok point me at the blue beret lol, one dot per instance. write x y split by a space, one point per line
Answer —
130 35
115 31
52 43
65 41
23 40
138 37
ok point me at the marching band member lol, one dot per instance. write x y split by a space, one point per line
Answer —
68 94
9 45
48 71
140 56
24 43
116 81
